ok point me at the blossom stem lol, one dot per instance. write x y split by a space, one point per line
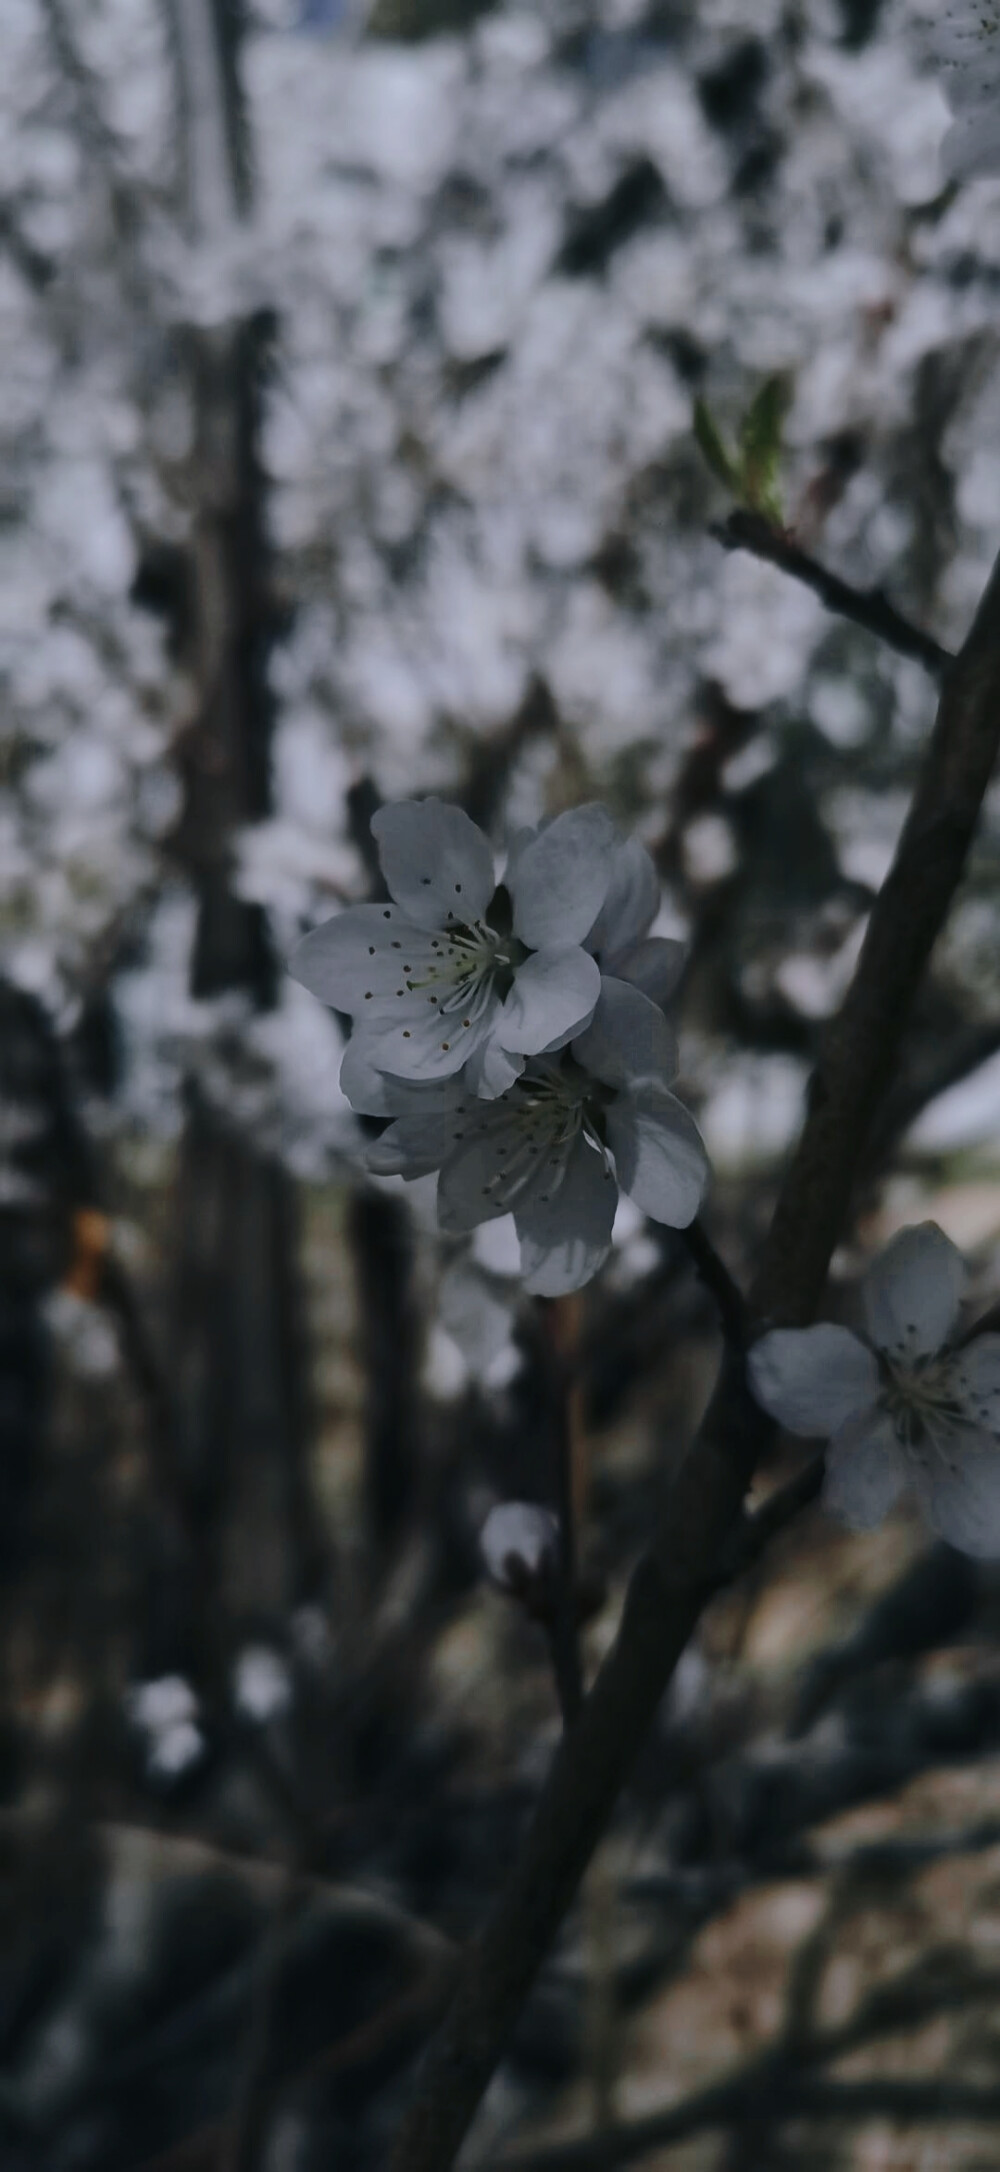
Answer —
713 1272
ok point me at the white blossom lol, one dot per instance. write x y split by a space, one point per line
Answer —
555 1148
963 37
904 1405
458 973
262 1688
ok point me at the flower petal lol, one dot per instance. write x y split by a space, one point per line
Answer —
412 1146
813 1379
974 1380
365 1087
912 1292
659 1154
865 1471
558 880
628 1038
414 1043
491 1070
566 1238
492 1166
655 966
359 960
631 902
476 1313
960 1494
437 864
554 992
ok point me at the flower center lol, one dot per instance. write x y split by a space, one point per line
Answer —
922 1403
473 969
547 1109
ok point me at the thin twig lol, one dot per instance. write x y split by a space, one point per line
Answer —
674 1579
867 607
730 1301
778 2084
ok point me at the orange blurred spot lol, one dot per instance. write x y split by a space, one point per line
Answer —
91 1238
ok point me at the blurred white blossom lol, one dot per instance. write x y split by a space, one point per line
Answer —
519 1543
963 38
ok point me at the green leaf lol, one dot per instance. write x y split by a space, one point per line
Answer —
712 448
760 448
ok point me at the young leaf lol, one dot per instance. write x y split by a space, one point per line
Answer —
712 448
760 448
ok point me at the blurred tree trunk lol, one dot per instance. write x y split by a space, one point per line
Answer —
237 1356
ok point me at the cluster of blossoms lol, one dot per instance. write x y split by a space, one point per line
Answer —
963 36
513 1032
911 1404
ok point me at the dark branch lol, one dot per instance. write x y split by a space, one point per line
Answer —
730 1302
867 607
701 1508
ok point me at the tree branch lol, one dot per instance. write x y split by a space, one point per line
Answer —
867 607
673 1580
713 1272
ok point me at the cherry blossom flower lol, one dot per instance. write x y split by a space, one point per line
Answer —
963 36
904 1405
555 1148
457 973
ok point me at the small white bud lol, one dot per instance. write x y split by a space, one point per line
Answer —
518 1543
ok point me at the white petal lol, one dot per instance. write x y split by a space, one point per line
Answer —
365 1087
865 1471
813 1379
631 903
565 1239
659 1154
912 1292
474 1315
974 1379
412 1146
491 1070
489 1169
628 1039
415 1043
437 864
424 1097
962 1502
655 966
554 992
357 961
558 881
